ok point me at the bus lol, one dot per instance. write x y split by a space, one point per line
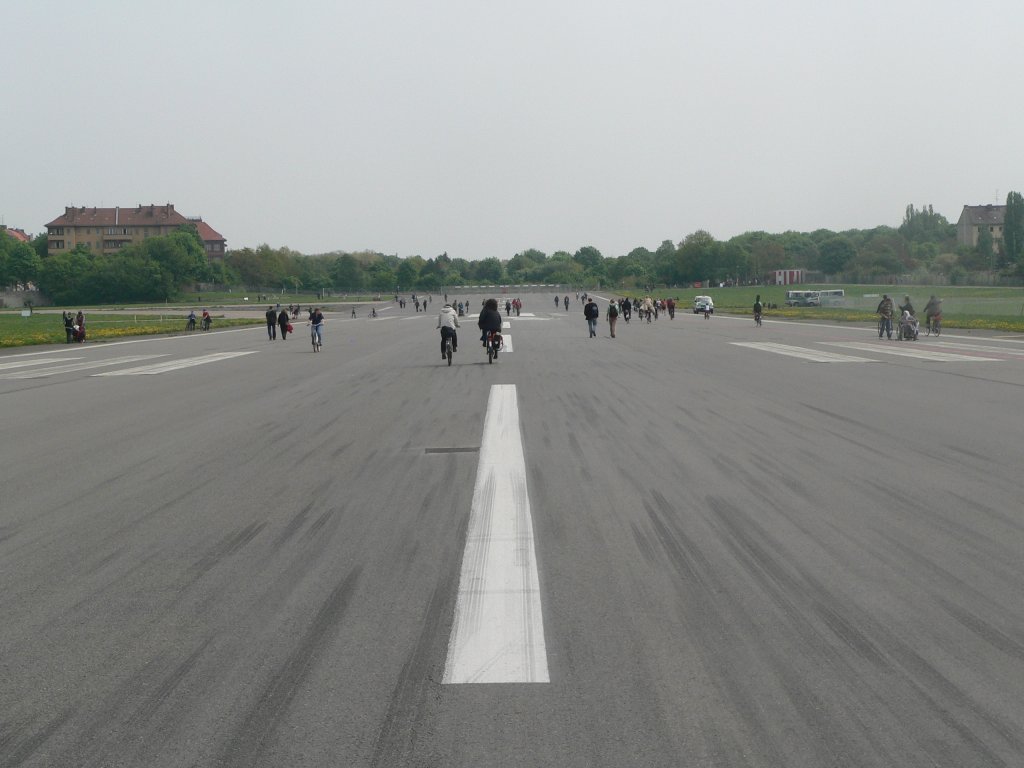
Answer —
836 296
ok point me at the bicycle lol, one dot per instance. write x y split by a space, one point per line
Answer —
494 344
316 332
191 324
207 322
448 349
933 325
757 319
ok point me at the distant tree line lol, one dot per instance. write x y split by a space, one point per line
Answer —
924 243
158 268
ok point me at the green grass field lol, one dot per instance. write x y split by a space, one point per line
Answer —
967 307
978 308
47 328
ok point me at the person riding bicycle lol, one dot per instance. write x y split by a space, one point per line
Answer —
448 321
932 310
489 320
192 320
316 322
885 311
758 308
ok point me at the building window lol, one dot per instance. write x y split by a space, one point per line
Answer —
57 231
57 244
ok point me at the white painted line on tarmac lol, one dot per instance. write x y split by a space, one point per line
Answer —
813 355
904 349
41 373
55 351
498 633
506 342
175 365
26 363
972 347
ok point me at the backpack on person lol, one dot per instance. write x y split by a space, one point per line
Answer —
613 311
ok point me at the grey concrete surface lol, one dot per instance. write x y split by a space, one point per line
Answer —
745 559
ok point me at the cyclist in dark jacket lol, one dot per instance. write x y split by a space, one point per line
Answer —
489 320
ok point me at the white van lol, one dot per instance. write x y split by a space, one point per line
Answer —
703 304
803 298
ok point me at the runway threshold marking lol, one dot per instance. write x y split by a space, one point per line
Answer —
498 632
41 373
906 350
6 366
174 365
952 345
813 355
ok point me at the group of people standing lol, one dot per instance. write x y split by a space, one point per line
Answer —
74 327
887 309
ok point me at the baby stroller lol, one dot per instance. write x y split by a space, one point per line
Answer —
908 329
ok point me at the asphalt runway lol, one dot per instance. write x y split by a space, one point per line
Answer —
795 545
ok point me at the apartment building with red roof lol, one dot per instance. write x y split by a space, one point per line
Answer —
105 230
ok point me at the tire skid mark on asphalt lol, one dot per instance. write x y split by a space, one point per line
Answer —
247 743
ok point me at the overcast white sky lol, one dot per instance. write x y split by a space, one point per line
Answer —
484 128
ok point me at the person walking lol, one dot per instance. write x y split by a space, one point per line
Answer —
613 316
271 324
592 313
282 320
69 326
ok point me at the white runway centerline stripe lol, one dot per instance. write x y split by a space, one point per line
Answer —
498 633
174 365
906 349
40 373
813 355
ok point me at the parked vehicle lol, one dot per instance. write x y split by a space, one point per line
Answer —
703 304
803 298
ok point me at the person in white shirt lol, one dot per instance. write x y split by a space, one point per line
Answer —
448 321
